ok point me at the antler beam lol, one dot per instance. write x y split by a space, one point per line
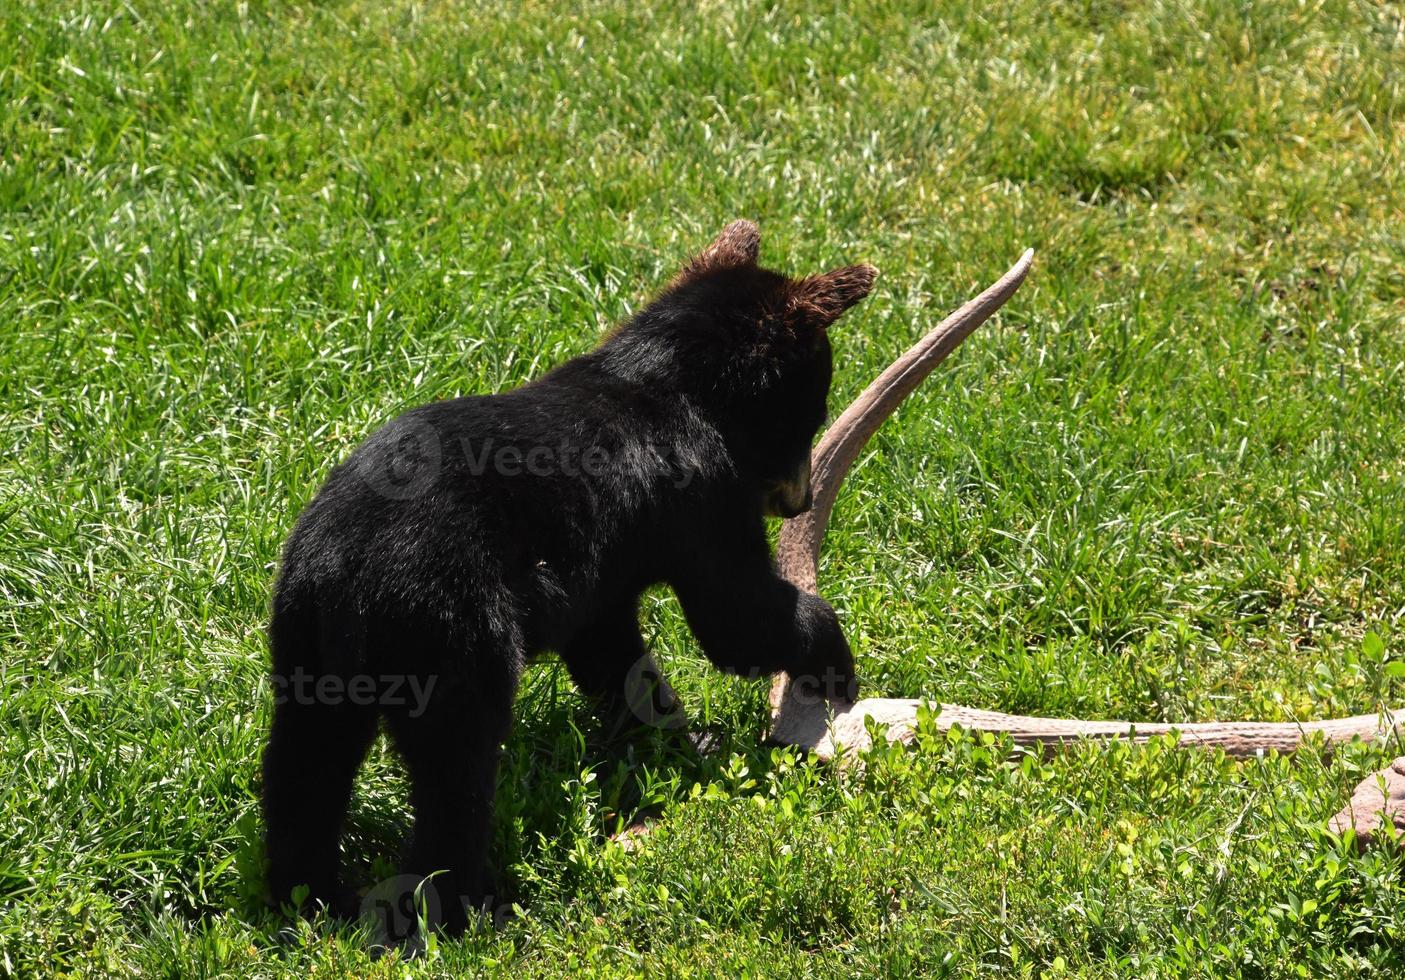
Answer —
822 727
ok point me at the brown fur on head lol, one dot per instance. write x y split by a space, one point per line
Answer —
737 245
814 301
820 300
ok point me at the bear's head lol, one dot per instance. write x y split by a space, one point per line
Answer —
749 348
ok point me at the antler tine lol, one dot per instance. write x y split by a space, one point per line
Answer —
798 549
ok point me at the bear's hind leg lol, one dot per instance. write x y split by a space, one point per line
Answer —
450 744
314 749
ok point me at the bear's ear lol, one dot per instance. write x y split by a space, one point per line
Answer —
736 245
817 301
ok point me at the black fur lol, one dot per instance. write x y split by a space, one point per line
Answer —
467 536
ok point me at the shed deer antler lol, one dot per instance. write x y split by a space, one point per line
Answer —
821 727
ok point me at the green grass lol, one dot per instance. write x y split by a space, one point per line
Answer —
1167 483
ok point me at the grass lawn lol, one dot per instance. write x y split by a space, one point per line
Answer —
1168 483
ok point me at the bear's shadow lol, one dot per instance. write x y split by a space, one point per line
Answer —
562 776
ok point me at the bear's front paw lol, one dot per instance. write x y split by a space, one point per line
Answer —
828 670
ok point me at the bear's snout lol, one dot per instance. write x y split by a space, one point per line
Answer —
790 498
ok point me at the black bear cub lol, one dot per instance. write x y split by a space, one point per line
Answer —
467 536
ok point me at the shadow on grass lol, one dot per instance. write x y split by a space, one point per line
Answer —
564 781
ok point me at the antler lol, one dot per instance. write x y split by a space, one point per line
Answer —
798 550
819 726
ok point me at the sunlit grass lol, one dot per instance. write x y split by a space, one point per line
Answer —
1167 483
